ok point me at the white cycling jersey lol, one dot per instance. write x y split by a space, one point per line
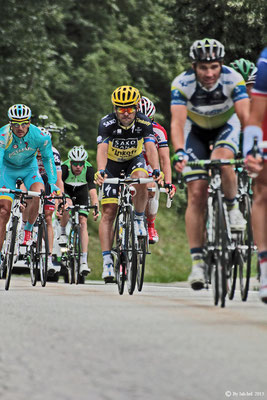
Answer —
209 108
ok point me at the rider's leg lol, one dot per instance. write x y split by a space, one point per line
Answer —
140 202
195 217
5 208
109 211
259 221
50 231
229 185
151 213
84 269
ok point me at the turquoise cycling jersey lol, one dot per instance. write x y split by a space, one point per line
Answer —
19 153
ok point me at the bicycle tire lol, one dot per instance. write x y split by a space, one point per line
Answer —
10 251
70 269
129 251
76 253
141 261
221 243
232 276
120 270
247 246
210 259
31 261
42 251
214 283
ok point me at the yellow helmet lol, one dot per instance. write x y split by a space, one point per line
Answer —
125 96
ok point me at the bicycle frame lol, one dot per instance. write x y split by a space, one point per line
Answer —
129 248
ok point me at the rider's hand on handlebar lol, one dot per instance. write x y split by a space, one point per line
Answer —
179 160
100 177
158 176
55 191
254 161
62 207
96 212
171 189
254 165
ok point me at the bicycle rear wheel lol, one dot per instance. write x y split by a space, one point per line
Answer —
42 251
130 252
76 253
232 275
245 248
119 262
12 237
141 261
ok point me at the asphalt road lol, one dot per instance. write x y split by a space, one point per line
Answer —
67 342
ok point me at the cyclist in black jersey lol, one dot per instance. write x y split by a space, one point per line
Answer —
121 135
78 178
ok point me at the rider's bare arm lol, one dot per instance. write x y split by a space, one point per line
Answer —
242 110
178 119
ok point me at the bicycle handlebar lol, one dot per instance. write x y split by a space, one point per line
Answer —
215 163
22 192
129 181
161 190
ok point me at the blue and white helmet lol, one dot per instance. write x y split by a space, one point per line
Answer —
78 153
19 113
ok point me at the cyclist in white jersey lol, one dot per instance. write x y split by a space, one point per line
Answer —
208 101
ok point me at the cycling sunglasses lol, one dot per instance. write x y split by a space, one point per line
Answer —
22 124
129 110
77 163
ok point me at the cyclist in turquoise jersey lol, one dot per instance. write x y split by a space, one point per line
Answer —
19 143
209 102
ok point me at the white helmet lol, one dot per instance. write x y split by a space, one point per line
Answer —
19 113
206 50
147 107
45 131
77 153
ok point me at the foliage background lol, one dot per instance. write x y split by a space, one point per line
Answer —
64 58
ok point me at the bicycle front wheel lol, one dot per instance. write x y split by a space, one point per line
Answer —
31 261
12 235
130 252
119 261
76 253
221 246
141 260
42 251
